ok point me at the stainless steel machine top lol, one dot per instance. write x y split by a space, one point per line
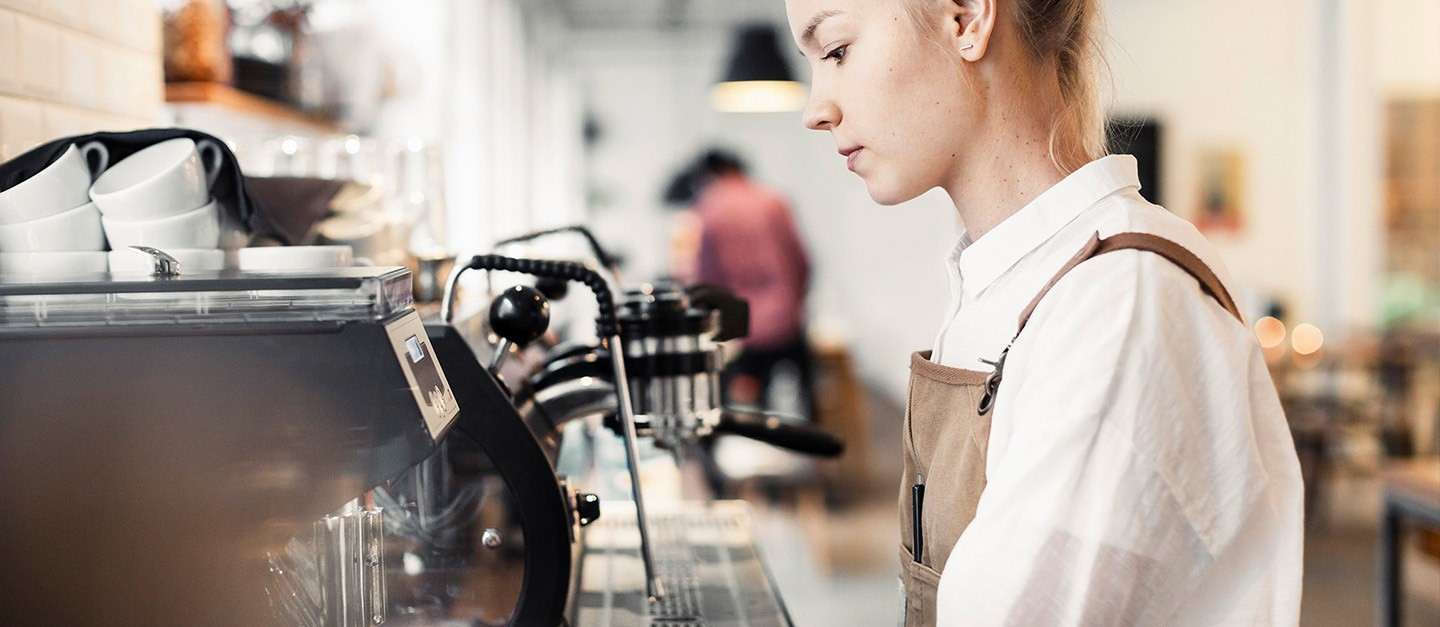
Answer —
160 437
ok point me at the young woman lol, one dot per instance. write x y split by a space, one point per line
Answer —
1097 436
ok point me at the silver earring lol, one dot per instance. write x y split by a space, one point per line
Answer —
966 47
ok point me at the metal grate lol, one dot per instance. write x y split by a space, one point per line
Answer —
707 563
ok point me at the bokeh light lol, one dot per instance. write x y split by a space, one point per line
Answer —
1306 339
1270 331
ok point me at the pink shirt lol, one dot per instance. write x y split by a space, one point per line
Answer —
749 244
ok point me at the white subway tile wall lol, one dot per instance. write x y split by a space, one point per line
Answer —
81 83
9 52
77 66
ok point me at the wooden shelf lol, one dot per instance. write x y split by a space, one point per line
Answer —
229 98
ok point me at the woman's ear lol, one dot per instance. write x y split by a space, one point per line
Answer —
969 25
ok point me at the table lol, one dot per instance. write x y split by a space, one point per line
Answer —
1412 491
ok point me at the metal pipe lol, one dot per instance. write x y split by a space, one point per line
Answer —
447 299
632 458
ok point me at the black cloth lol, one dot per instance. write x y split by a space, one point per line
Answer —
229 188
306 202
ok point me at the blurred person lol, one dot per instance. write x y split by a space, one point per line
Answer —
1094 438
741 235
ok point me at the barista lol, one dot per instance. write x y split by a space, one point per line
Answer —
1097 437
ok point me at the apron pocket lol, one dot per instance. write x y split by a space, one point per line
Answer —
921 583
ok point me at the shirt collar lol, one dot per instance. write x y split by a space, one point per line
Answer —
980 262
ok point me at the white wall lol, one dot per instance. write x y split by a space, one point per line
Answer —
1299 86
1406 46
1232 74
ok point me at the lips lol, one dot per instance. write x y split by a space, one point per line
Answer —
850 155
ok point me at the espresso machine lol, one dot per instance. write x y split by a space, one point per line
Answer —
302 449
198 448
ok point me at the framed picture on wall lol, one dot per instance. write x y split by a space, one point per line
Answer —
1220 207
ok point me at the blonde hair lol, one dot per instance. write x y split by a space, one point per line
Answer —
1067 34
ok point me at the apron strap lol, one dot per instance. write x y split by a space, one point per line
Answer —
1171 251
1095 247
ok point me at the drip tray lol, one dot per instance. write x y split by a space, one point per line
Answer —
706 558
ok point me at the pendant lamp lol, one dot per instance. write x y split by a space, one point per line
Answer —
758 79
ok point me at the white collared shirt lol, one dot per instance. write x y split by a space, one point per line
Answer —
1140 470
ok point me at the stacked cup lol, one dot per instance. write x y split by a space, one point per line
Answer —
159 197
48 223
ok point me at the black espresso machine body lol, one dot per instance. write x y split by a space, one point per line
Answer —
161 440
541 510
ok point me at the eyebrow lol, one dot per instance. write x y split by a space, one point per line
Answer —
808 37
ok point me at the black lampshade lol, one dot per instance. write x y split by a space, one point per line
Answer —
756 56
758 78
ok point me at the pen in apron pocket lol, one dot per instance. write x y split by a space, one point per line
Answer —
917 502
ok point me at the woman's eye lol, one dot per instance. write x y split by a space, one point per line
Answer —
838 54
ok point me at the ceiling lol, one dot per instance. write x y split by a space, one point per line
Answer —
667 15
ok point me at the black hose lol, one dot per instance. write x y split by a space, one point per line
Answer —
601 254
605 322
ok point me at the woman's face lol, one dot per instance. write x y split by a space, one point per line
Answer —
893 100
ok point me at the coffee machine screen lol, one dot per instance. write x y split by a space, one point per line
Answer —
415 349
432 391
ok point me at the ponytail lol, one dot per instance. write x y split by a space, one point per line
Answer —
1067 33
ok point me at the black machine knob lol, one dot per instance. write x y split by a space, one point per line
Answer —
587 508
520 314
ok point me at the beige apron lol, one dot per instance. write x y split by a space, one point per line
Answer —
947 432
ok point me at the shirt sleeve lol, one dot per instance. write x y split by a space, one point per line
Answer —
1121 463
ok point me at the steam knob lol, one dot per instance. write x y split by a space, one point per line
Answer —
520 314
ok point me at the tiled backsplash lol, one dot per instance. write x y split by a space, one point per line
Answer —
77 66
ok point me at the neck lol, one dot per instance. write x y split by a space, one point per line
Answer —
1001 179
1011 165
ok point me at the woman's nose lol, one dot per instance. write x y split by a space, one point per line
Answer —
821 114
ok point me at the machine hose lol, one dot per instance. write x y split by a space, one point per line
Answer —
605 323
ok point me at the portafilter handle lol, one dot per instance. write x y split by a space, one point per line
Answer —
770 429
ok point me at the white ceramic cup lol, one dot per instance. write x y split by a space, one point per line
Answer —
261 258
73 262
76 229
129 260
199 228
159 181
61 186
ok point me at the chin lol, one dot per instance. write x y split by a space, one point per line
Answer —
889 193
